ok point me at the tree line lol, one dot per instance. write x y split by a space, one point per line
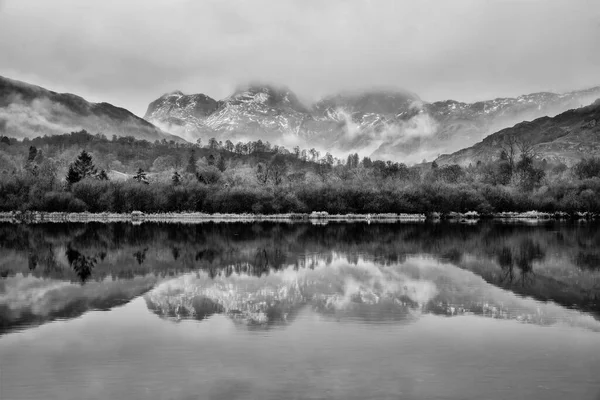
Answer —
84 172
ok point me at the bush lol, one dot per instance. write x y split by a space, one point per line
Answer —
61 202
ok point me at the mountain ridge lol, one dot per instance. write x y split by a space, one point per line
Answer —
383 123
28 110
564 138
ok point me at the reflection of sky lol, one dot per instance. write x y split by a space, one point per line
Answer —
128 353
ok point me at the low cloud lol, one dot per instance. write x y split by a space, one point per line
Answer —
36 118
461 50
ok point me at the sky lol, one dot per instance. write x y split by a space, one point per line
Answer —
129 52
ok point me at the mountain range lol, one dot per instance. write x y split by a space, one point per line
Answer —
565 138
385 124
382 123
28 111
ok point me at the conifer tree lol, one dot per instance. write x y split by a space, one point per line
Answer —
140 176
81 168
176 178
221 164
191 165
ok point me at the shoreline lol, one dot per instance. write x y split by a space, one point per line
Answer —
315 217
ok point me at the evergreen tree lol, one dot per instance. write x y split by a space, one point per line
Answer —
72 175
221 164
211 160
176 178
191 165
32 153
140 176
81 168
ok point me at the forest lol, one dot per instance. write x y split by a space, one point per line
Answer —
79 171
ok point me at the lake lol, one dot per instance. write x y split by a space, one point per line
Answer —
488 310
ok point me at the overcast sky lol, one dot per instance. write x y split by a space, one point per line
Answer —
129 52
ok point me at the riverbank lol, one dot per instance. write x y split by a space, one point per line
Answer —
315 217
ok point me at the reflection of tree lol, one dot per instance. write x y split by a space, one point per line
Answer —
529 252
140 256
81 264
505 260
175 251
588 261
260 248
523 258
32 261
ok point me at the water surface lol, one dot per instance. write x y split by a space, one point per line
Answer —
283 311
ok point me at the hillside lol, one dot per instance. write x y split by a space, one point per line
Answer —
565 138
28 111
384 124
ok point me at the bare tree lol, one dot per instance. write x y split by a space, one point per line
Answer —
510 147
526 149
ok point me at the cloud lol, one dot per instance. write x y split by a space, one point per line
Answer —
128 53
22 118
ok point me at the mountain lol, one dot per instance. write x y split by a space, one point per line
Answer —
181 114
252 112
448 126
30 111
565 138
386 124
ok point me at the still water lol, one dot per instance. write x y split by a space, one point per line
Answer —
299 311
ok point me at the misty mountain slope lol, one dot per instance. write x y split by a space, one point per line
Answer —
565 138
252 112
341 122
182 114
257 109
29 111
386 124
380 102
457 125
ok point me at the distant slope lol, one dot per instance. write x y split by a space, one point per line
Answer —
564 138
386 124
448 126
30 111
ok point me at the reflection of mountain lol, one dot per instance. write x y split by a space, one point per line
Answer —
29 301
553 261
364 291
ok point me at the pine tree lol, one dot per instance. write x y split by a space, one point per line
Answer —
191 165
176 178
84 165
81 168
32 153
140 176
211 159
221 164
72 175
